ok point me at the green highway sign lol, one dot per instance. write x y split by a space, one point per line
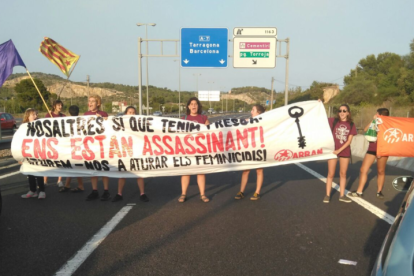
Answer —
254 54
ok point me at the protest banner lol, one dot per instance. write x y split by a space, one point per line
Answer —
146 146
396 137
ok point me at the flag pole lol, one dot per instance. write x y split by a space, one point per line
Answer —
50 113
67 79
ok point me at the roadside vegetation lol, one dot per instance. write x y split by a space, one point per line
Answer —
385 80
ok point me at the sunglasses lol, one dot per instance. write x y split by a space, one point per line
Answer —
342 110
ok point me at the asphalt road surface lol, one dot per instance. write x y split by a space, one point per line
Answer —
289 231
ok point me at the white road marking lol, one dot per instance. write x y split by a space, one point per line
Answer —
373 209
73 264
11 166
9 174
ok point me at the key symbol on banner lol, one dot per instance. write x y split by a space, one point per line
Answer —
301 138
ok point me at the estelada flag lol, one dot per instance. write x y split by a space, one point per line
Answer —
59 55
396 137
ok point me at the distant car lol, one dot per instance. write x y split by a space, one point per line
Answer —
7 121
157 113
396 256
221 111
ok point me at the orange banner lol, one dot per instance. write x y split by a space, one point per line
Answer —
396 137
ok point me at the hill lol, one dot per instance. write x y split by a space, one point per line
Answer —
240 98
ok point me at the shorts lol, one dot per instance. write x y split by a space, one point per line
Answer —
344 156
372 152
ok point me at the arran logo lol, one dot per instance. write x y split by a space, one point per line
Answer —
284 155
395 135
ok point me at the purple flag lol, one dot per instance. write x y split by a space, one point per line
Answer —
9 57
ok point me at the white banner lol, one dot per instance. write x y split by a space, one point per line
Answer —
147 146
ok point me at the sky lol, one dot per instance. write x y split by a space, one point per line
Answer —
327 38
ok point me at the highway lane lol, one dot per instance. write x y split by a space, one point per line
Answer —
289 231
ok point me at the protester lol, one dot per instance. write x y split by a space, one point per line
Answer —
343 130
56 112
130 110
369 159
194 110
94 105
34 181
256 110
73 111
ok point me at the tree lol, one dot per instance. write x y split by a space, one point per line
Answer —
360 92
28 96
389 73
314 92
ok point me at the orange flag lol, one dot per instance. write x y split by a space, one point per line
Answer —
58 55
396 137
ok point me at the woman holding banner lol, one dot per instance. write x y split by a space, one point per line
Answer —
56 112
194 110
94 105
256 110
29 116
130 110
369 159
343 130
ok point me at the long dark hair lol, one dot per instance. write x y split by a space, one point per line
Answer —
348 116
128 107
383 111
200 107
260 109
55 103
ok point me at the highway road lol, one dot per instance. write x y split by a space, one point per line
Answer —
289 231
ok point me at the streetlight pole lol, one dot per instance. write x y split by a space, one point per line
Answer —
139 76
271 95
195 94
211 87
146 38
221 98
179 88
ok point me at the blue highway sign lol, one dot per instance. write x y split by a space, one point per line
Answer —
204 47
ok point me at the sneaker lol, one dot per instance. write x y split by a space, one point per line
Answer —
345 199
29 194
60 184
239 195
42 195
105 196
144 198
117 197
355 194
92 196
326 199
255 196
380 195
